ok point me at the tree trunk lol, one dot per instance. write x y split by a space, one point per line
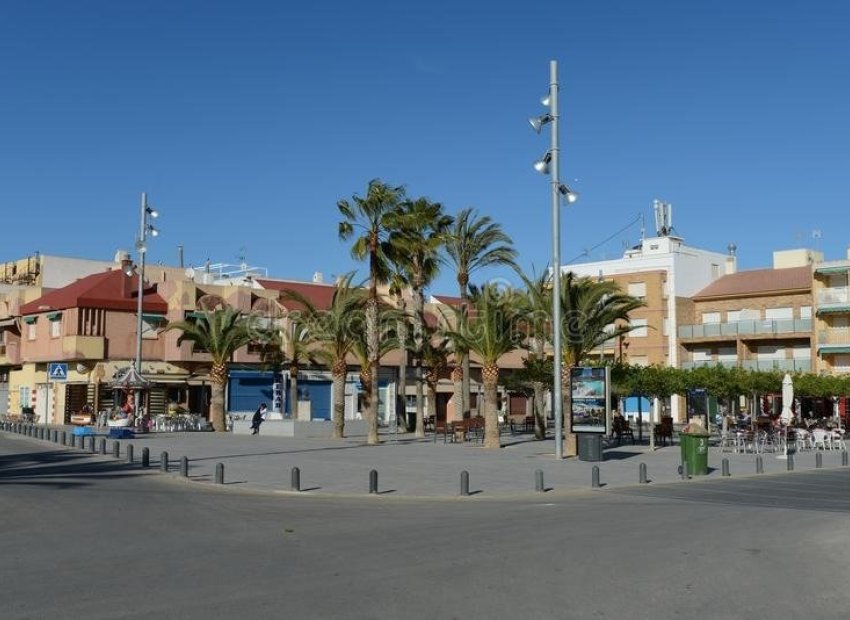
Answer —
293 391
539 410
339 402
431 409
457 392
570 443
373 351
217 407
490 378
418 319
401 395
463 281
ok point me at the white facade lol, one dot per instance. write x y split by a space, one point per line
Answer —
688 270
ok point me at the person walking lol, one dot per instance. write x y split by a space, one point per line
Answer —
258 418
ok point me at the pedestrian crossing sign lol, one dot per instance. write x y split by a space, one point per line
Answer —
57 371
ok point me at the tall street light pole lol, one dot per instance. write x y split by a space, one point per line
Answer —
145 229
550 164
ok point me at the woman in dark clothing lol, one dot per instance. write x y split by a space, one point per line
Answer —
258 418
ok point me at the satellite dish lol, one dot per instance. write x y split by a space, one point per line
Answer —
83 369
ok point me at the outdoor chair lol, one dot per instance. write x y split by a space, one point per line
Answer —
664 431
621 428
441 427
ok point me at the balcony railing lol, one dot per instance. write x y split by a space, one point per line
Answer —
834 335
834 296
749 327
786 365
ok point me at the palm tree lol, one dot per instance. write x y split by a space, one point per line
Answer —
297 352
374 216
592 312
472 243
220 333
387 341
420 234
331 335
536 306
490 332
398 284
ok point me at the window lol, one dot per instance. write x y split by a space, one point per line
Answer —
637 289
778 313
727 354
802 352
715 271
733 316
701 355
55 329
805 312
770 352
639 360
841 363
31 331
639 328
710 317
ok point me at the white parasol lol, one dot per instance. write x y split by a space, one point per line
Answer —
787 415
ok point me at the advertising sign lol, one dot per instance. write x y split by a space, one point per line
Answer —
590 398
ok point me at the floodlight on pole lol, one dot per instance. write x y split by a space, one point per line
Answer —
145 229
549 165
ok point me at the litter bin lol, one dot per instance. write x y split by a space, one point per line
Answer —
694 442
589 446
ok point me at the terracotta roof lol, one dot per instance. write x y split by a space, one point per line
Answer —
108 290
447 300
759 281
320 295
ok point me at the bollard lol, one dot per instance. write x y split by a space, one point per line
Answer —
73 439
129 453
184 467
844 458
163 462
538 481
219 473
116 449
146 457
683 470
63 438
295 479
642 473
789 463
464 483
759 465
818 460
594 477
373 481
724 468
92 446
102 443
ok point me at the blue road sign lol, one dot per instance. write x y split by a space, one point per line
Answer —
57 371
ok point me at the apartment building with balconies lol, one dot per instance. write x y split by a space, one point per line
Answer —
758 319
831 289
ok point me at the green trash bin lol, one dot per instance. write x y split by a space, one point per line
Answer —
694 444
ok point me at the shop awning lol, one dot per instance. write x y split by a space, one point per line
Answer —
834 309
153 318
828 350
827 270
7 322
54 316
29 320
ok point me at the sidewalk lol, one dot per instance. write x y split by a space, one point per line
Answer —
411 467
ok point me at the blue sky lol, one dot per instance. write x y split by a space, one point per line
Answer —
246 123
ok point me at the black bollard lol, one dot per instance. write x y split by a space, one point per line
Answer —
538 481
116 449
759 465
818 460
63 438
73 442
163 462
146 457
129 453
219 473
92 446
102 443
844 458
464 483
295 479
373 481
642 473
594 477
724 468
184 467
789 463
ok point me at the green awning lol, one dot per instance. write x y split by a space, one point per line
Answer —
828 350
832 269
29 320
834 309
54 316
153 318
195 314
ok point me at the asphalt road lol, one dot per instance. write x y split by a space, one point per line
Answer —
92 538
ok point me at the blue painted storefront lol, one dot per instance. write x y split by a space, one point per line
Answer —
246 389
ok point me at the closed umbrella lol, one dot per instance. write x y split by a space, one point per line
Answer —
787 415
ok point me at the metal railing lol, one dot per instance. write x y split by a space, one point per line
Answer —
785 365
747 327
835 296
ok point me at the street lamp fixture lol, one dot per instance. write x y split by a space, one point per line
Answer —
548 164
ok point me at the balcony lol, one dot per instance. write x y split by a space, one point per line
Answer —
833 299
745 329
690 365
834 340
803 364
10 354
83 347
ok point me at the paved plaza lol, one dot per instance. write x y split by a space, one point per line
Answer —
411 467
